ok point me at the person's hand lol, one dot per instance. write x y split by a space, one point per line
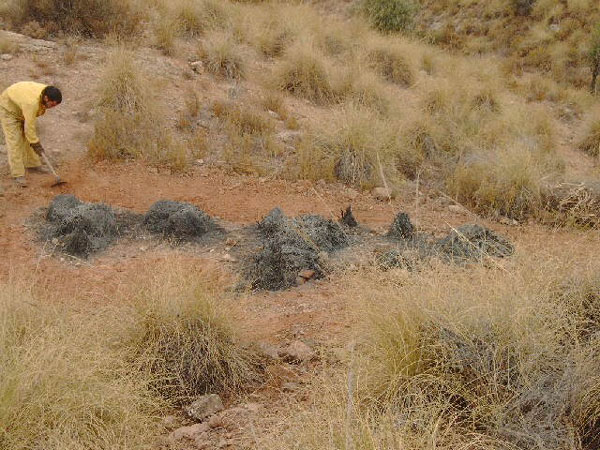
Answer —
37 147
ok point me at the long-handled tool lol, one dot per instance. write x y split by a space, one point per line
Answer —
58 181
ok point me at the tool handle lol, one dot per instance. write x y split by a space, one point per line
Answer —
47 161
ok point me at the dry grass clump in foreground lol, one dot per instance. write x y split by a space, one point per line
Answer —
485 358
130 122
79 378
65 378
186 337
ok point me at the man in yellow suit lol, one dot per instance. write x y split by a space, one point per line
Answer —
20 106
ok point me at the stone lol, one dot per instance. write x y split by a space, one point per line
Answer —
290 387
204 406
381 193
307 274
170 422
6 57
281 372
268 350
228 258
215 421
202 441
253 407
297 351
351 193
456 209
189 432
289 137
197 66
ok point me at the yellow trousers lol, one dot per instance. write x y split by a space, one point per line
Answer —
20 153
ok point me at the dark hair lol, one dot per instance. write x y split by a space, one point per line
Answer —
53 94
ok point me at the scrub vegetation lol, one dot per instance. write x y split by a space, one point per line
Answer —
462 359
86 377
487 105
400 109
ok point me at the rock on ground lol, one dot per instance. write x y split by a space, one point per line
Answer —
204 406
297 351
189 432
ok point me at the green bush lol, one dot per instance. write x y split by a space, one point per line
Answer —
391 15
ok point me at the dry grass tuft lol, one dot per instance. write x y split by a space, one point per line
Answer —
351 148
87 17
390 62
187 339
130 122
590 142
305 73
67 383
462 359
79 377
506 183
197 17
222 56
7 45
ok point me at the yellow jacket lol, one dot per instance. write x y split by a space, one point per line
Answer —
24 101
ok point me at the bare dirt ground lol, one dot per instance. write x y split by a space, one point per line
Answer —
315 311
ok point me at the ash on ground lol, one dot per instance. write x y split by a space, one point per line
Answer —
473 242
291 246
466 243
79 228
179 221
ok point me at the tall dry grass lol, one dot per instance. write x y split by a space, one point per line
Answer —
544 36
131 121
65 378
451 358
79 376
186 337
94 18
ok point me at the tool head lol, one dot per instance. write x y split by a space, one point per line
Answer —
58 182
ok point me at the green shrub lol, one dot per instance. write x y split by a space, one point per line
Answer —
391 15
